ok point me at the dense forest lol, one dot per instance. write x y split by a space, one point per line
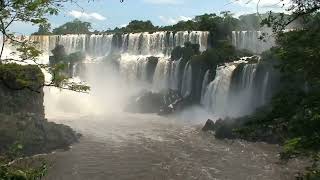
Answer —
219 25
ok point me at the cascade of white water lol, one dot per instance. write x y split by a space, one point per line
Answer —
161 75
128 67
251 40
216 95
205 83
187 80
161 42
99 45
41 42
142 63
264 89
174 75
134 49
133 43
248 75
72 43
156 44
241 99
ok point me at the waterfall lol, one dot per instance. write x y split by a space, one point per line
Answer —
41 42
264 89
187 80
142 63
237 89
134 48
216 95
205 83
242 96
174 75
72 43
98 45
128 67
161 75
74 69
156 43
251 40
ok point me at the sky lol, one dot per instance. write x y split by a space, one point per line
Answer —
105 14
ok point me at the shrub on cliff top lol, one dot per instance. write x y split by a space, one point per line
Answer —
18 77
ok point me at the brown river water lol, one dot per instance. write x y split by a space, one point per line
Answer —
149 147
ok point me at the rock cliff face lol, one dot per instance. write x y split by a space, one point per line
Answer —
21 89
22 118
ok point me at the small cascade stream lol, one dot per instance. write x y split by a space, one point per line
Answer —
252 41
161 75
187 81
216 95
238 89
204 86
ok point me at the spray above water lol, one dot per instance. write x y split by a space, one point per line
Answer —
114 81
113 86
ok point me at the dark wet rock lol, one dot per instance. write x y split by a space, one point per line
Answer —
209 126
22 117
172 101
227 128
147 102
151 67
253 59
163 103
222 128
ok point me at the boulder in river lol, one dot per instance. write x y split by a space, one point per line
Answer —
209 126
223 128
163 103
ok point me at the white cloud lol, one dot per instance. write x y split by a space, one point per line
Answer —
171 20
123 25
88 16
165 2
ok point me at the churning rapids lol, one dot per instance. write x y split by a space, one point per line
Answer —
120 145
130 146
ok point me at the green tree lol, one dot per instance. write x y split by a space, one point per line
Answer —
293 115
35 12
250 21
29 11
44 29
297 9
74 27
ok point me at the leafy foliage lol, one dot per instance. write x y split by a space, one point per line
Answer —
223 52
74 27
18 77
35 12
298 9
219 25
44 29
9 173
293 116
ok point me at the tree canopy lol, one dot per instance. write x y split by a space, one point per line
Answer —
35 12
74 27
44 29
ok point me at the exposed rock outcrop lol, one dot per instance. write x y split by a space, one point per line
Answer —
163 103
22 113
